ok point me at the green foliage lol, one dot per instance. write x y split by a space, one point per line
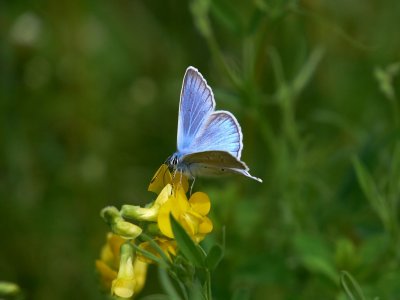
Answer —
214 257
187 247
351 287
89 102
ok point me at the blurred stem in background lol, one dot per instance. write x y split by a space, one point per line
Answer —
90 91
385 78
383 194
286 147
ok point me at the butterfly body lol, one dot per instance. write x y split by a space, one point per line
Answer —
209 142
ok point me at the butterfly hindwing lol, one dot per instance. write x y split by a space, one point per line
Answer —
221 132
213 163
196 105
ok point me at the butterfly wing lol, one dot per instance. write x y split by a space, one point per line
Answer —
196 105
213 163
209 142
221 132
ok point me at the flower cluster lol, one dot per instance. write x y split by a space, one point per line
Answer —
119 269
123 262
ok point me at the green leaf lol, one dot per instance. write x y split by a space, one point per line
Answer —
306 72
156 247
351 287
372 193
394 184
186 245
151 256
241 293
225 14
167 284
196 291
385 78
214 257
315 255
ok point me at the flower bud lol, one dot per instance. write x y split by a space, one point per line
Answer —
126 230
118 225
124 285
110 214
139 213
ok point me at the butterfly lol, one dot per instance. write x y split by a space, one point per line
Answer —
209 141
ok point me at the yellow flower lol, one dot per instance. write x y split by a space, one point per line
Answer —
163 177
158 184
191 214
131 274
123 274
107 265
146 214
167 245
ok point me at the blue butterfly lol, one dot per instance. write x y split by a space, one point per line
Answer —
209 141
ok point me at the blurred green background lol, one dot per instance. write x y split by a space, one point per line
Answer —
89 101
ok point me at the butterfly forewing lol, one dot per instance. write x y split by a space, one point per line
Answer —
196 105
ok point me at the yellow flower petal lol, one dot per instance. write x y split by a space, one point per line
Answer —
190 214
114 243
179 179
206 226
179 201
106 273
140 270
163 177
163 220
195 216
190 223
171 247
160 179
106 255
200 203
164 195
123 287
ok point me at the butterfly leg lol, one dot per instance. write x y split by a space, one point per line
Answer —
191 186
173 174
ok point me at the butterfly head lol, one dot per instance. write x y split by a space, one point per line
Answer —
172 162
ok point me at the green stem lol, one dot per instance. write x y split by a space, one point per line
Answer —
395 110
208 285
216 52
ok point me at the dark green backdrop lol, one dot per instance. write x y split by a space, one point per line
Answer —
88 111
